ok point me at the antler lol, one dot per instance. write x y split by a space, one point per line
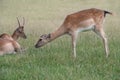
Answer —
18 21
23 21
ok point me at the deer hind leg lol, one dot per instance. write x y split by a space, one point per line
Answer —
101 33
74 38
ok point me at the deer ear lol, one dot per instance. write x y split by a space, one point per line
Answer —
49 36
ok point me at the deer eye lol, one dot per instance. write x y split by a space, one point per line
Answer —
20 31
40 40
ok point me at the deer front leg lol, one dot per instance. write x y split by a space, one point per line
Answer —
74 38
20 50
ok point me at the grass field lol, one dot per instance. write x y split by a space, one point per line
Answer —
53 61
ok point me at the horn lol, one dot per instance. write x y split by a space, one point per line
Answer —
23 21
18 21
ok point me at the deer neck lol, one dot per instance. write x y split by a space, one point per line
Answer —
59 32
15 36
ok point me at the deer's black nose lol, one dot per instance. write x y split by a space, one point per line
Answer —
36 46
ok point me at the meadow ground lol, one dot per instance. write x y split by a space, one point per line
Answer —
53 61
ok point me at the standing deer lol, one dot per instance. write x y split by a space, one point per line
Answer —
19 32
9 44
89 19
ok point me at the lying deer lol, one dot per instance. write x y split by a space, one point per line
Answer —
8 44
19 32
89 19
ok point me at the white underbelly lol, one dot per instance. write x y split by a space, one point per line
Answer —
86 25
82 29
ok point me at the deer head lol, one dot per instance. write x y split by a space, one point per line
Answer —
19 32
44 39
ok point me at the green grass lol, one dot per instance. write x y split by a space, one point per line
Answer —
54 61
